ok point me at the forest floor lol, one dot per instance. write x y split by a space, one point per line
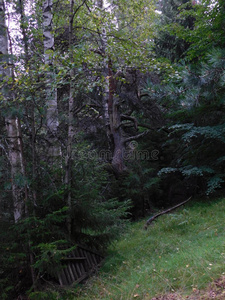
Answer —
180 256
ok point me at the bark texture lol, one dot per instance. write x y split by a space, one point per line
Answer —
71 129
13 128
111 104
52 121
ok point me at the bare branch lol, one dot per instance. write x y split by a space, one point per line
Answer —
136 137
133 119
79 109
76 10
150 220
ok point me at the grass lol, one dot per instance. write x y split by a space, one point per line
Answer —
181 252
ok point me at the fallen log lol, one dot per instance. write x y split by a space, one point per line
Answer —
150 220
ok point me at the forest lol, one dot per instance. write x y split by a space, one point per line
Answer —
109 111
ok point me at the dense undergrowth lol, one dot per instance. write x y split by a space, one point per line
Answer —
182 251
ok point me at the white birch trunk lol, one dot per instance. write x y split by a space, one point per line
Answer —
52 121
14 137
105 97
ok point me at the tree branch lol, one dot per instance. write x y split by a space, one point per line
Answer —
154 129
146 126
150 220
76 110
136 137
133 119
72 17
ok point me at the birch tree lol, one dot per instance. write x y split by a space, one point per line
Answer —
13 129
52 121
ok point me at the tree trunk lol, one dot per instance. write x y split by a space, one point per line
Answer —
33 196
115 125
71 130
17 167
111 107
105 73
52 122
30 107
13 129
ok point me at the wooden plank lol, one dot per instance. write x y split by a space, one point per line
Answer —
78 266
83 277
69 279
63 277
90 250
81 262
76 275
94 259
85 263
74 271
78 269
86 275
90 259
60 278
74 259
71 273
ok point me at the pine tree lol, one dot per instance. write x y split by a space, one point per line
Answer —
199 123
167 44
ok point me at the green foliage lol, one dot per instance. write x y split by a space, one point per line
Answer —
49 256
197 26
96 222
196 110
208 132
214 183
183 105
96 218
166 43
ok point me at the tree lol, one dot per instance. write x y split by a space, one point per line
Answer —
52 122
206 30
197 119
112 65
71 129
89 87
13 127
167 43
